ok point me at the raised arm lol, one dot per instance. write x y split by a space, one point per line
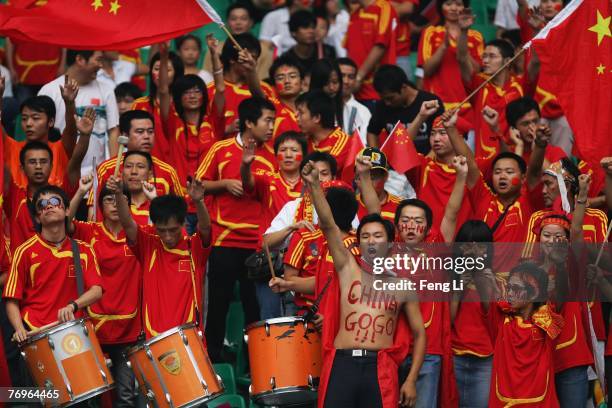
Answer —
163 89
248 156
125 215
449 221
427 109
580 204
69 93
341 256
217 66
432 64
249 64
196 192
466 66
606 164
85 184
449 120
85 127
536 160
363 166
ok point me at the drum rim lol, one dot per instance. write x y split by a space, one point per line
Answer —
276 320
90 394
202 400
159 337
283 390
52 330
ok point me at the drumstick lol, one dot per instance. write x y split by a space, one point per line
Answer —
45 327
269 260
123 141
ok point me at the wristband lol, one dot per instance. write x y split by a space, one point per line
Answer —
75 306
581 201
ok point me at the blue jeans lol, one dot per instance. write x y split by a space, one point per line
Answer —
406 65
427 382
473 380
269 302
572 387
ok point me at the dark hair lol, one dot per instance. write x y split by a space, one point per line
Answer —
71 56
321 157
476 231
47 189
146 155
505 48
126 118
377 218
182 85
291 135
343 206
569 165
347 61
512 36
251 109
439 3
319 104
285 61
179 71
240 5
302 19
246 41
166 207
414 202
104 192
519 108
182 39
41 104
126 89
390 78
513 156
34 145
541 277
320 74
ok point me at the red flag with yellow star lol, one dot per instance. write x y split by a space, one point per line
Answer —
103 24
399 149
575 51
355 147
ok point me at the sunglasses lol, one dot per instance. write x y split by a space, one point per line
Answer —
49 202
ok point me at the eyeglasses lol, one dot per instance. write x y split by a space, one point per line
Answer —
49 202
108 200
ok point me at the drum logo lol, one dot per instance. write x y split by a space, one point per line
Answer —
171 362
71 344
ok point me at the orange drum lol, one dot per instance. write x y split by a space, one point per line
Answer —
68 358
285 360
173 369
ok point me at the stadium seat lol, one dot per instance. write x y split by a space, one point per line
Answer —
226 372
234 400
488 31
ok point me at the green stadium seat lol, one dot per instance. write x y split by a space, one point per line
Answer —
479 8
226 372
488 31
234 327
235 400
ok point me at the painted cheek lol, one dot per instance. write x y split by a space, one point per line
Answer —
280 157
298 157
558 7
279 86
515 181
155 75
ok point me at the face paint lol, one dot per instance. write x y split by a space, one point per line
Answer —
558 7
515 181
279 86
298 157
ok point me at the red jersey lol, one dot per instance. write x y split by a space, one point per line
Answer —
43 278
140 213
304 254
402 42
235 220
286 119
446 81
470 329
387 209
188 146
433 182
115 316
36 64
161 147
234 94
11 161
523 368
18 215
337 144
572 348
487 144
273 192
370 26
172 280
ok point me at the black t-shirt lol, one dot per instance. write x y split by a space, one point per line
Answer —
328 53
385 117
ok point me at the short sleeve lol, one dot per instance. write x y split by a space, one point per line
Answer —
83 231
284 218
426 49
294 256
16 281
208 168
91 272
386 21
377 123
480 197
143 247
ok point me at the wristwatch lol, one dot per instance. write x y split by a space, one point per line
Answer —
75 306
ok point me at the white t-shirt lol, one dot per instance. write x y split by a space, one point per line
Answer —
362 119
275 28
8 84
206 76
123 70
337 32
506 11
94 94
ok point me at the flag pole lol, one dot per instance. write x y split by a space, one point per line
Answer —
230 36
475 91
390 134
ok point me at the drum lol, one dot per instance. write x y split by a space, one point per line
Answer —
68 358
285 360
173 369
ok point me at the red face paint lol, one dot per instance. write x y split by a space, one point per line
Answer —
515 181
279 86
558 7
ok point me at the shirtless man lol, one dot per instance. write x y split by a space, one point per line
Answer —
368 319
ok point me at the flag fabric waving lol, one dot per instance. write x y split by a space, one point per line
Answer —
104 24
575 51
399 149
355 147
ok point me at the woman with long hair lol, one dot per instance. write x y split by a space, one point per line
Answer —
325 75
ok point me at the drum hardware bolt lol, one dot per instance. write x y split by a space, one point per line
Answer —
85 330
23 354
272 382
267 330
205 387
109 363
51 344
128 364
200 333
69 389
184 338
150 395
246 338
310 381
103 374
49 384
149 354
169 399
250 389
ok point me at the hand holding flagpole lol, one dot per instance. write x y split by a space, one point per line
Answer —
212 13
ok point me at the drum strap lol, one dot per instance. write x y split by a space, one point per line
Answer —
193 283
78 271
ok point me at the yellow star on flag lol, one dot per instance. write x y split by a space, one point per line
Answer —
602 28
601 69
114 7
97 4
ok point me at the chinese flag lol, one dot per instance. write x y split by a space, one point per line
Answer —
103 24
399 149
575 51
355 146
